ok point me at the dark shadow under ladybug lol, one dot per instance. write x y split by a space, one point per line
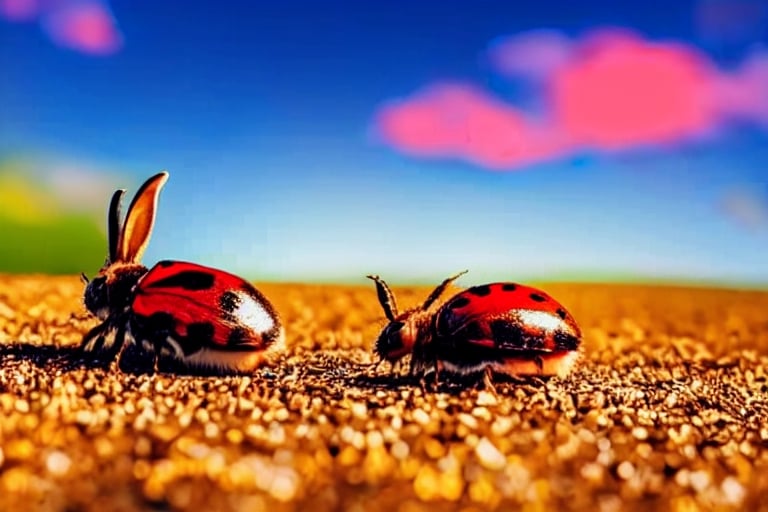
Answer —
133 360
455 383
67 358
43 356
451 383
386 382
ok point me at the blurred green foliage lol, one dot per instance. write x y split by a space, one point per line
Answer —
38 234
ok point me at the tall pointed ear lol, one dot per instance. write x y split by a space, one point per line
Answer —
113 224
386 297
140 220
437 292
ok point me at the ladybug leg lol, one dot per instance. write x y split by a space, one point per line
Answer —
119 342
488 381
417 370
540 365
423 383
431 385
438 370
94 339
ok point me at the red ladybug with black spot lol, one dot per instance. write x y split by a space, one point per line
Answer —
503 327
202 318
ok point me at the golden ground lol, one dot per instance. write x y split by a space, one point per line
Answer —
668 410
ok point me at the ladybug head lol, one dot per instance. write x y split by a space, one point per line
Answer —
111 288
400 335
397 338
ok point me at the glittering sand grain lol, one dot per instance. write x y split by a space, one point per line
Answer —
668 410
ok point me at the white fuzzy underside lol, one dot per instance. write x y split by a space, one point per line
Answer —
559 364
208 358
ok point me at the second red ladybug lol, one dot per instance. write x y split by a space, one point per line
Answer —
503 327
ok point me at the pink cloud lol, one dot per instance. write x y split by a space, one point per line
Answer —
621 91
610 90
744 94
86 26
19 10
462 121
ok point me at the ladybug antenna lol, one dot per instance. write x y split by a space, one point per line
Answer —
84 278
113 223
386 297
437 292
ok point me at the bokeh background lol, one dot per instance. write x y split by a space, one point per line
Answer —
324 140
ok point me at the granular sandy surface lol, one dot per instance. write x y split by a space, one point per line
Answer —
668 410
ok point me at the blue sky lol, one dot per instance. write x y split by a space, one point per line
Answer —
262 112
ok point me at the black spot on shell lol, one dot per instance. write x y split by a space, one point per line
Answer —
537 297
566 341
188 279
229 301
511 336
459 303
480 291
561 313
159 322
271 336
164 263
509 287
238 336
200 330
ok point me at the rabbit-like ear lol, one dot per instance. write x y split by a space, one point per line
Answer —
113 224
140 219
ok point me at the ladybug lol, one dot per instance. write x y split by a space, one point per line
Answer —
203 318
502 327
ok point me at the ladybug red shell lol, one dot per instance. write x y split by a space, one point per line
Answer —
202 317
499 327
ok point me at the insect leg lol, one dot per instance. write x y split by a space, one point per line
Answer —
94 339
438 371
488 381
118 344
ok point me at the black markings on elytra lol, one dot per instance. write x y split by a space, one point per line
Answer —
510 335
565 341
165 263
270 337
480 291
537 297
187 279
459 303
230 301
473 331
509 287
561 313
160 322
202 331
238 336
